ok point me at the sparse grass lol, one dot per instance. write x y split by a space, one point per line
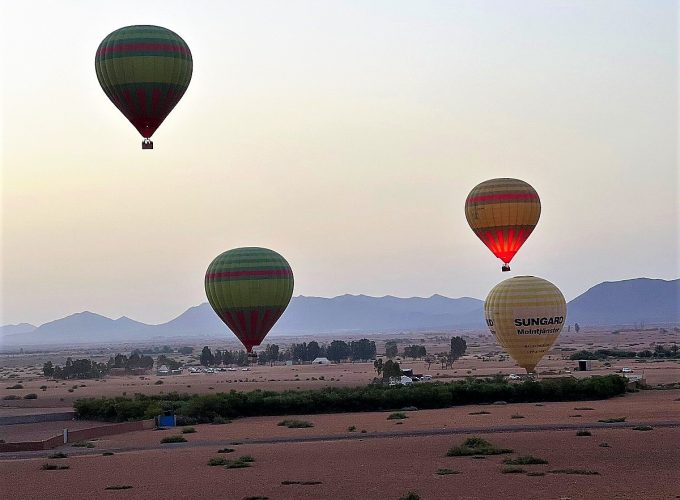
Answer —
480 413
352 428
525 460
515 416
83 444
476 446
578 472
295 424
54 467
612 420
512 469
446 472
643 428
226 450
584 433
215 461
119 487
304 483
188 430
58 454
397 416
173 439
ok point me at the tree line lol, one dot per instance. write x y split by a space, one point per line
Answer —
660 351
86 368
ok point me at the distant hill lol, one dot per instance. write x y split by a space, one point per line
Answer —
610 303
628 302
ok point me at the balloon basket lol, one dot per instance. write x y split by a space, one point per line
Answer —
505 268
147 144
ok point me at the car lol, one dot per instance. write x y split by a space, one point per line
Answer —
513 376
626 370
245 369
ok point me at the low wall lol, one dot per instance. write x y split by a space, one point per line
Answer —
37 418
79 435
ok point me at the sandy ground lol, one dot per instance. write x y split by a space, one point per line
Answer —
635 465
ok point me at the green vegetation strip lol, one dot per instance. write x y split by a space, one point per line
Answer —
233 404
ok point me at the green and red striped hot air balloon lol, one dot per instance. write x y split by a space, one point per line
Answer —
145 71
249 289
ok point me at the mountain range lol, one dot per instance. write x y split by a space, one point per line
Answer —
619 303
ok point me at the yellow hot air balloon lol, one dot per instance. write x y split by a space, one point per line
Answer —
526 315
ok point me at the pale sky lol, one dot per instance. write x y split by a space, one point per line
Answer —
345 136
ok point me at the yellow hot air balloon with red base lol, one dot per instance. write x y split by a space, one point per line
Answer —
503 213
526 315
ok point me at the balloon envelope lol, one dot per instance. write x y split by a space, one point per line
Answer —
526 315
249 289
503 213
145 71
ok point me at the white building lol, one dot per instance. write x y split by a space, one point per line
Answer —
321 361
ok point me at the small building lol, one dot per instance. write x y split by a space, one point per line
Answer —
584 365
163 370
321 361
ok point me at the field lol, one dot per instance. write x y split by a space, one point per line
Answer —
362 455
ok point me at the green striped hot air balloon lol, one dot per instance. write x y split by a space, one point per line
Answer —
249 288
145 71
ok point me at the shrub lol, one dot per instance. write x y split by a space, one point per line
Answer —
43 387
11 397
525 460
295 424
535 473
643 428
226 450
411 495
583 408
583 433
239 463
58 454
304 483
512 470
188 430
54 467
397 416
603 445
612 420
107 453
446 472
215 461
32 395
118 487
480 413
580 472
515 416
476 446
15 386
158 382
220 420
83 444
352 428
173 439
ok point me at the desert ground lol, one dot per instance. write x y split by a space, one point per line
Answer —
378 457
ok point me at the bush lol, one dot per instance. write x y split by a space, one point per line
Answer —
512 470
525 460
476 446
295 424
158 382
226 450
480 413
352 428
580 472
446 472
11 397
43 387
397 416
188 430
83 444
535 473
515 416
411 495
612 420
240 462
583 433
54 467
107 453
173 439
32 395
119 487
643 428
220 420
15 386
215 461
374 397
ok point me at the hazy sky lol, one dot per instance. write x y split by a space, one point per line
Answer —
344 135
